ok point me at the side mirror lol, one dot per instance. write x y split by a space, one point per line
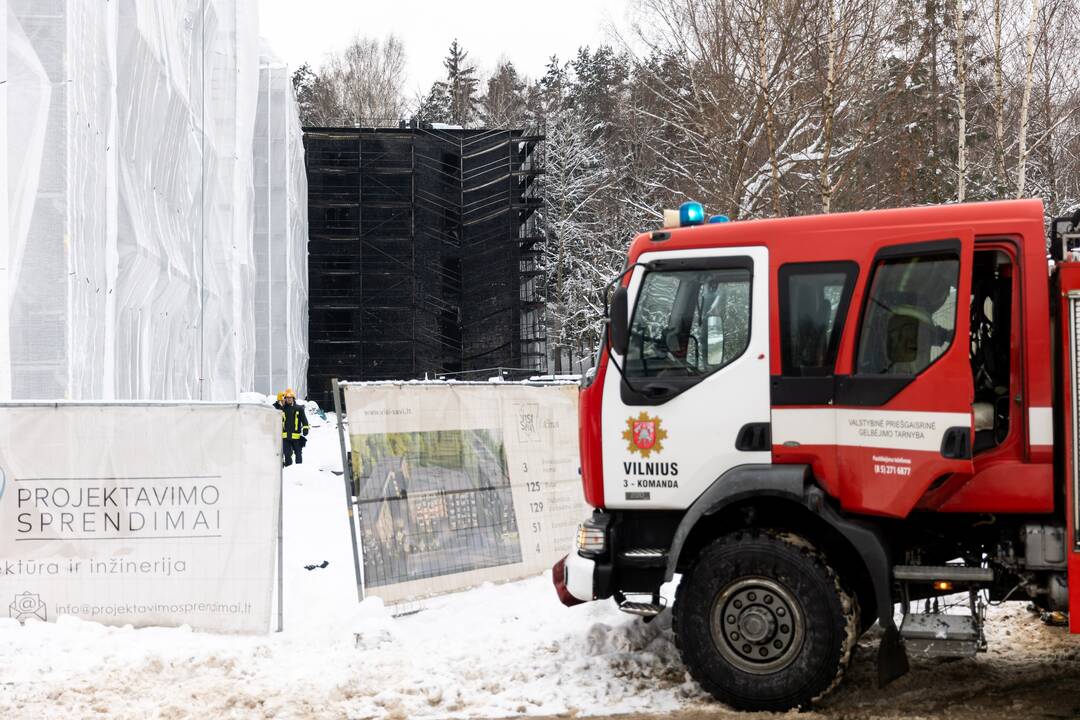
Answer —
618 322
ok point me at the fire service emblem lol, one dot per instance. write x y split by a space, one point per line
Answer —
644 435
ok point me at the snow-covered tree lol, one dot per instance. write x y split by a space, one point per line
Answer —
577 260
774 107
503 105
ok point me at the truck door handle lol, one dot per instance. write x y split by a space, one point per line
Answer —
956 443
754 437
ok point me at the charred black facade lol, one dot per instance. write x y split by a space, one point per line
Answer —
424 253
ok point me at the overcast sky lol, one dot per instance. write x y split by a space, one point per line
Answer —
526 33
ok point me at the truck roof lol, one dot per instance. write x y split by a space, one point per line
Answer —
842 228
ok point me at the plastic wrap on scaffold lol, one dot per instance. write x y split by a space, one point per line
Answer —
129 202
280 234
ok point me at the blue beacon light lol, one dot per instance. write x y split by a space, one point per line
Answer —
691 213
719 219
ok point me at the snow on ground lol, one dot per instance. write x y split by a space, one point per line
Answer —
489 652
493 651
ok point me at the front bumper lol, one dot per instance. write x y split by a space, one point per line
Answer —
573 579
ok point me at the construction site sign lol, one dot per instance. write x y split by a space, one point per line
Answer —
141 514
456 484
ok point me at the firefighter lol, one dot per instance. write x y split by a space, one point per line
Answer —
294 428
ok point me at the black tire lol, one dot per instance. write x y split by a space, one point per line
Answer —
729 621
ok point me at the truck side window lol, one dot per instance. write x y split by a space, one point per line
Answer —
814 300
910 315
689 323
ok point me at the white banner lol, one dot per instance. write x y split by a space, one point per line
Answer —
459 484
145 514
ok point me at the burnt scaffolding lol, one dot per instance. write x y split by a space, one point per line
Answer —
424 255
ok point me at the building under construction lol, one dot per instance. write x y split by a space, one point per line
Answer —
424 255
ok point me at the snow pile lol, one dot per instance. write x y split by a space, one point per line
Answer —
509 650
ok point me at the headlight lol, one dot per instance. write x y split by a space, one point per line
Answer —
592 537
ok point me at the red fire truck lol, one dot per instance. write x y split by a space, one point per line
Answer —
812 419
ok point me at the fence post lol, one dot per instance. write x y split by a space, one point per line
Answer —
281 550
347 477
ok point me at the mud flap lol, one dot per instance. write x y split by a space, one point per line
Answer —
892 659
892 655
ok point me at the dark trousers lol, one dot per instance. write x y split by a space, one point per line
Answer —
288 447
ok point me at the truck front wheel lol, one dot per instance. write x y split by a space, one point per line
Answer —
763 622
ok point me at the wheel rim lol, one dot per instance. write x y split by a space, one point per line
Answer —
757 625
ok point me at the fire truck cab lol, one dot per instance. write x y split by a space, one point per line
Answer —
811 419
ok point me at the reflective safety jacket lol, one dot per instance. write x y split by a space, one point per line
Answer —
293 421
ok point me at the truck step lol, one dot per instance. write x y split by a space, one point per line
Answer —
954 573
642 609
938 635
644 557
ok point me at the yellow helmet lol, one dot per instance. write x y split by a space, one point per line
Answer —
290 393
281 396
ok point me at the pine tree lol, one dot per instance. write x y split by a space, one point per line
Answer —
599 87
435 106
504 104
461 86
454 100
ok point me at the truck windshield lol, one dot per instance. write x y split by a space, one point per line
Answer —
689 323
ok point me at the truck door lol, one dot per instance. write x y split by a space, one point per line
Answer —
690 399
904 410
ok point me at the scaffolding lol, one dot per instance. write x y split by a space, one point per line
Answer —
424 255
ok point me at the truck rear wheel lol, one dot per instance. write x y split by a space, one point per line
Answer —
763 622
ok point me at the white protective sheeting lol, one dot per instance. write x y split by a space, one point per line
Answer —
281 356
26 119
175 524
130 214
5 230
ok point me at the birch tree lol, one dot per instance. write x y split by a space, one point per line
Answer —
764 87
828 106
999 98
1025 105
848 81
360 85
366 80
1056 82
961 102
